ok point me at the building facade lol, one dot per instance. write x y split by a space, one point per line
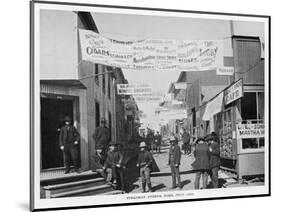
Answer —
83 90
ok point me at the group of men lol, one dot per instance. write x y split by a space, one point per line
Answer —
153 141
109 159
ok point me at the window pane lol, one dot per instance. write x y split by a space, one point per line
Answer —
249 106
261 140
250 143
261 105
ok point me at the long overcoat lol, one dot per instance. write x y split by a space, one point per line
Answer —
202 157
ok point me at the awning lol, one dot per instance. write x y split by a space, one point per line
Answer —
213 107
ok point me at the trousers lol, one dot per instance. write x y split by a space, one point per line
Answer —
111 174
175 175
215 177
145 174
71 154
204 179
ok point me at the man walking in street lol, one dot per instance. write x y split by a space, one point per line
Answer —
101 138
69 141
186 142
158 141
174 162
144 163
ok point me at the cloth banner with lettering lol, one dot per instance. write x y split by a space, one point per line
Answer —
151 54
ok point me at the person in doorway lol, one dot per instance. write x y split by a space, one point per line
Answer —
214 159
101 138
158 141
186 142
69 142
174 162
144 163
201 163
113 161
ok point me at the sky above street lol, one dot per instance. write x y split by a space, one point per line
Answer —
137 27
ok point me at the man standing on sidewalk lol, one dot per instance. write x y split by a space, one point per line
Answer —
144 163
69 140
101 138
174 162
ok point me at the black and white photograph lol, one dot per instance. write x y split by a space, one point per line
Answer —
142 105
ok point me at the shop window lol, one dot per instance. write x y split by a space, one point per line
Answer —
260 108
97 73
252 143
249 106
252 111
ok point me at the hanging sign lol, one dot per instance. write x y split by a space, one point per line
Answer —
233 92
250 130
94 47
143 57
180 85
227 71
127 89
151 54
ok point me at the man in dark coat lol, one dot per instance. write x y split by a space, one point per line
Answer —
69 141
214 160
144 162
201 163
174 162
113 160
158 141
101 138
186 142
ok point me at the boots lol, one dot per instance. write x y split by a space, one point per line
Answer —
149 187
143 187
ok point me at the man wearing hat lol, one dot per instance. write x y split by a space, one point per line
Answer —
174 162
113 161
144 163
201 163
101 138
68 141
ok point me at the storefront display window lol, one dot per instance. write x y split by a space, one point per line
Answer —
226 141
252 111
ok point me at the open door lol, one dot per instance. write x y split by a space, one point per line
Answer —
53 112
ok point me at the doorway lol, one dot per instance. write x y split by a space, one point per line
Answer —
53 111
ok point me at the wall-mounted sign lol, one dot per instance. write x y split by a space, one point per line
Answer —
250 130
180 85
233 92
127 89
228 71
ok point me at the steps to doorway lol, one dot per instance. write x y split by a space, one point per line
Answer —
69 185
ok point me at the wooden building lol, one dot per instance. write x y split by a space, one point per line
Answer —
83 90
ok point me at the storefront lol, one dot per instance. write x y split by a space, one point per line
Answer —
240 127
59 99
